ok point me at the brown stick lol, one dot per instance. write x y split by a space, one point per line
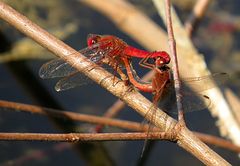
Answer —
110 122
176 77
177 85
71 115
217 141
188 141
75 137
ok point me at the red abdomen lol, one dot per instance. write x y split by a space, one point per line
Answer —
134 52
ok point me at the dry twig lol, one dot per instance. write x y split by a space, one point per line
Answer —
176 77
110 122
75 137
187 140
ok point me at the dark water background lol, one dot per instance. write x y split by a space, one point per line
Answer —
20 78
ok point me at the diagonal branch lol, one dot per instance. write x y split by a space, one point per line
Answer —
135 100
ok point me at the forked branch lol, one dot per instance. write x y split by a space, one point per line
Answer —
135 100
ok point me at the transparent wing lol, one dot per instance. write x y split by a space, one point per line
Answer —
191 101
56 68
99 53
60 68
72 81
74 78
196 102
203 83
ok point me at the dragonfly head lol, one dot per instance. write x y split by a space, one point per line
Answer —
162 59
165 56
93 39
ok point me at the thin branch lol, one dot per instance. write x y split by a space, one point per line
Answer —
71 115
209 139
177 84
76 137
135 100
176 77
133 126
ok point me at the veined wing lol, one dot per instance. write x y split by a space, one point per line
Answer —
192 101
60 68
56 68
77 79
205 82
100 53
72 81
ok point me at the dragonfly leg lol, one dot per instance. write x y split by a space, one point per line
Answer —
98 64
101 82
112 61
131 88
146 64
123 76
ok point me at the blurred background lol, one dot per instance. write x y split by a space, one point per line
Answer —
217 37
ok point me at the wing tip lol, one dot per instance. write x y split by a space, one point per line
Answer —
41 73
57 88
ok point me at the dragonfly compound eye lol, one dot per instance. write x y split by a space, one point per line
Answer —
93 40
160 62
166 57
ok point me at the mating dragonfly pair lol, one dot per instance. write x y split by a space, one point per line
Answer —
110 50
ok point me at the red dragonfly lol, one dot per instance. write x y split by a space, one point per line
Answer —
101 49
162 86
115 52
